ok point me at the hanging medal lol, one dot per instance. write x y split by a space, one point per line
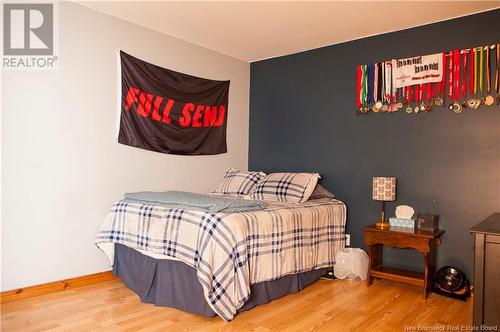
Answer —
362 90
393 88
393 107
456 106
479 77
471 102
379 98
403 100
391 92
472 79
408 90
418 97
382 85
385 106
478 80
388 81
474 102
399 99
463 86
488 100
439 101
450 80
424 93
421 91
363 109
429 94
472 54
365 89
388 85
374 87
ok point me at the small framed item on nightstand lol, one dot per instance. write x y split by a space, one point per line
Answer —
427 222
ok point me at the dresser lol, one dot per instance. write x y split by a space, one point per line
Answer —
487 271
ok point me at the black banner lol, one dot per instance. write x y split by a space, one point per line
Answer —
170 112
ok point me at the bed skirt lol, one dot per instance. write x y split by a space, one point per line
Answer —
168 283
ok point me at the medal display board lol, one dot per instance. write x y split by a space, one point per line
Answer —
423 83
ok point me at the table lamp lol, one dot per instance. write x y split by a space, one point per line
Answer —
384 190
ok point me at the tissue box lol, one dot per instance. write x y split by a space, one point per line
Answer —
402 222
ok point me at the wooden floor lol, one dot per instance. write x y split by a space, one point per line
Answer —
327 305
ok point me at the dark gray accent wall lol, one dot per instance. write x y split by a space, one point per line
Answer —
303 118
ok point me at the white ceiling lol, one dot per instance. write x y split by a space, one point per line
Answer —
255 30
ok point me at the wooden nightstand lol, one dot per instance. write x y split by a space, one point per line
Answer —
425 242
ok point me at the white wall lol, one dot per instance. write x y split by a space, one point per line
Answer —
62 168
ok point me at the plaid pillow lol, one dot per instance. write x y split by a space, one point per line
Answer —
236 182
286 187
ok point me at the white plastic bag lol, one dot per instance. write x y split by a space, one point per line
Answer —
351 263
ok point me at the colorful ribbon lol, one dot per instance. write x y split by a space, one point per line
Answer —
450 75
488 74
497 78
364 86
464 72
370 84
471 70
456 75
442 84
388 80
359 77
476 62
481 69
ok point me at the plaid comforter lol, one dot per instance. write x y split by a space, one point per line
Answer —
232 251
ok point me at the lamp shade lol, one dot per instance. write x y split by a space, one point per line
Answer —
384 188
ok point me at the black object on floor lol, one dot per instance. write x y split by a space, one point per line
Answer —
328 276
450 281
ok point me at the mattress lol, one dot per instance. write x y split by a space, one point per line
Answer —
231 251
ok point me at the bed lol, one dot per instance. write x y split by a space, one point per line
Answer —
221 263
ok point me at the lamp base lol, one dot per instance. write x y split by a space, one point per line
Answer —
382 225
